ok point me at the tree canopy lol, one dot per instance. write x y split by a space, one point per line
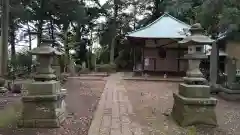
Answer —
75 24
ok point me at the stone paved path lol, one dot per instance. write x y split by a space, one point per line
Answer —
111 116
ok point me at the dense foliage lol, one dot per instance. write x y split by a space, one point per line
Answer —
76 24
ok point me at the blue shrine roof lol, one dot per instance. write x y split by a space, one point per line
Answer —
165 26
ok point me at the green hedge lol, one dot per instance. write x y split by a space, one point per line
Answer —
78 68
106 68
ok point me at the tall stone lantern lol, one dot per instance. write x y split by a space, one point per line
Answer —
193 104
43 105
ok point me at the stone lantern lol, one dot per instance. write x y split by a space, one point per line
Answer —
43 105
193 104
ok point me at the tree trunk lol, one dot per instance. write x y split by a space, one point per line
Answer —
66 56
158 9
40 24
90 52
12 43
113 43
39 33
5 27
30 46
134 13
52 32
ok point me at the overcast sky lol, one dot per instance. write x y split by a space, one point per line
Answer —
102 1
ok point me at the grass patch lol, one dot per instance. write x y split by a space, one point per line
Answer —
10 114
192 131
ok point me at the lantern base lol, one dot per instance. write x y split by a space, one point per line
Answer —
44 106
194 91
192 111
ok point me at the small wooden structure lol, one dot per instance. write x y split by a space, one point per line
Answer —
158 44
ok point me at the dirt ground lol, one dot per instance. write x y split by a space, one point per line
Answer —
152 103
82 100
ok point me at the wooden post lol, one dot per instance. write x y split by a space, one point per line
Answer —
134 57
178 58
155 64
143 59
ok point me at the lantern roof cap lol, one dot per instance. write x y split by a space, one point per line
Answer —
197 36
45 48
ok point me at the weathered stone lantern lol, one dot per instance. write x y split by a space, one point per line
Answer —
193 104
43 105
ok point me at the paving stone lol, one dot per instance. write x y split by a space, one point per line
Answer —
111 116
126 129
125 119
104 131
115 123
115 111
106 122
136 129
116 132
120 96
129 109
123 110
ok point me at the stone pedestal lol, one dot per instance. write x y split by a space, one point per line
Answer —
44 106
193 105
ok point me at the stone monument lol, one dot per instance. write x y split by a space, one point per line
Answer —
43 105
231 89
193 104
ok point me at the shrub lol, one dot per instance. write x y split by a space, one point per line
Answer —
63 78
84 71
78 68
106 68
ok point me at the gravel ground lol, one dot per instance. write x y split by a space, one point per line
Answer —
152 103
82 99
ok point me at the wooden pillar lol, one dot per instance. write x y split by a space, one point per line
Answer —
143 60
155 64
134 57
178 64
